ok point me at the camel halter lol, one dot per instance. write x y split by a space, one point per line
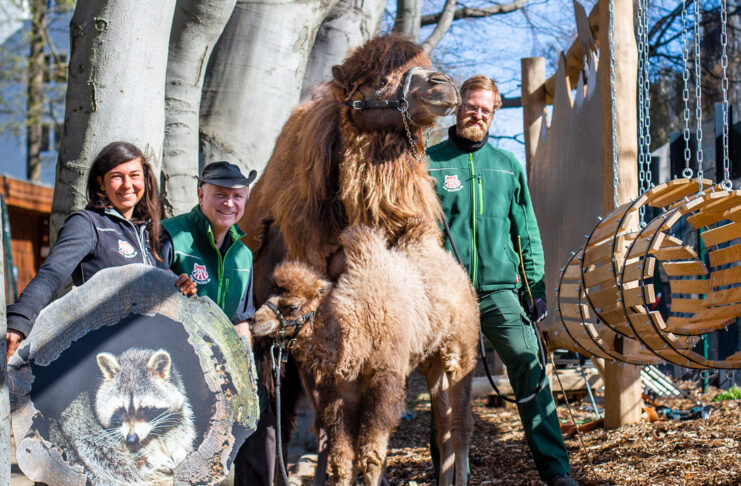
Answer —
284 323
399 103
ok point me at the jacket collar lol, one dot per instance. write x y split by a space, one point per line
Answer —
204 227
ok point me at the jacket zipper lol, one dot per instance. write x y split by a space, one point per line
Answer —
136 232
474 251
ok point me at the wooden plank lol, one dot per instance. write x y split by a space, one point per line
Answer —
702 219
602 298
674 269
727 276
597 253
675 253
642 244
635 296
683 326
569 291
725 256
690 286
715 313
597 275
604 230
724 297
679 191
573 311
691 306
639 269
719 202
734 357
722 234
572 272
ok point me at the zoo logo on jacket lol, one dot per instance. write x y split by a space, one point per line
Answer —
200 274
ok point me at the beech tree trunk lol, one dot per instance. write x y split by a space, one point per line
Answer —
196 27
408 17
115 90
348 25
254 78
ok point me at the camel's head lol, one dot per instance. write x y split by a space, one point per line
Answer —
300 292
376 76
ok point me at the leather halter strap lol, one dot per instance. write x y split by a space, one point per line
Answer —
284 323
399 103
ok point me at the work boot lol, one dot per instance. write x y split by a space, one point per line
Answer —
561 479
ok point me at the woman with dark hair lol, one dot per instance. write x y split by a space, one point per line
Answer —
120 225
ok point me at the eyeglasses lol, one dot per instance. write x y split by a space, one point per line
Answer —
474 109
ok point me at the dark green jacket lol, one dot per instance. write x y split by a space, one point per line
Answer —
225 279
484 196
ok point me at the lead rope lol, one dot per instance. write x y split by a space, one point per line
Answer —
278 431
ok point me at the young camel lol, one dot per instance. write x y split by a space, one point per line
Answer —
392 309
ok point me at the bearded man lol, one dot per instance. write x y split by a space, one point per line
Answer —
485 199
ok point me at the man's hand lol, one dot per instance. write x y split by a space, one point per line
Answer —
537 312
186 285
243 330
13 340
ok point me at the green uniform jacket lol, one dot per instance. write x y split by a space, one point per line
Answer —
484 196
223 279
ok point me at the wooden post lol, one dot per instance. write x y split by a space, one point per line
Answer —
533 103
4 398
622 381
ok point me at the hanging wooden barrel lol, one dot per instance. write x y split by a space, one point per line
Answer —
605 254
591 337
703 300
125 381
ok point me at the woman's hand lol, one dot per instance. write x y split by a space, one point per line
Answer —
243 330
13 340
186 285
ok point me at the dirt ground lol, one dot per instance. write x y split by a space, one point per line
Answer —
670 452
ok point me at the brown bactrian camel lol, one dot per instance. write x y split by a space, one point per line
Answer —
391 310
335 165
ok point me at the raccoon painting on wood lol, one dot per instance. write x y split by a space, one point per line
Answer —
124 381
141 426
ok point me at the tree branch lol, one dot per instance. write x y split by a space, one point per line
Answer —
469 12
443 24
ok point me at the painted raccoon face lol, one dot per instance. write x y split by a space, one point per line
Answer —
141 395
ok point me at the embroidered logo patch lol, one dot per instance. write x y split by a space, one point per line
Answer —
452 183
200 274
126 249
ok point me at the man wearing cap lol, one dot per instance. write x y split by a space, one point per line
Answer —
205 243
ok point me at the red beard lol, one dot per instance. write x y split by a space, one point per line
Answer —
470 129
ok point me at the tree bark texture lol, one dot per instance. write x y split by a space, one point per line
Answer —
196 27
115 90
348 25
35 90
107 315
254 78
4 399
408 17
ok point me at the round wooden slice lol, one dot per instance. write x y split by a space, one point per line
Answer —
126 381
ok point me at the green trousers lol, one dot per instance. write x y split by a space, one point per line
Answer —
505 324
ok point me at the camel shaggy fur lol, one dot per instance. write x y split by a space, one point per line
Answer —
334 165
393 309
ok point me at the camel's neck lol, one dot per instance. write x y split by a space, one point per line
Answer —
383 185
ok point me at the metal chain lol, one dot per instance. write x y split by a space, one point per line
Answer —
612 104
687 172
412 146
698 91
641 106
726 184
647 98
